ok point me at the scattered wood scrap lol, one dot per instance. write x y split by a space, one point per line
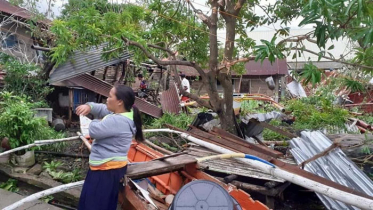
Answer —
157 167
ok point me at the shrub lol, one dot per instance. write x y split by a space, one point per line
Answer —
18 124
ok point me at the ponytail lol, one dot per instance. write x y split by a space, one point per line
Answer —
139 136
127 95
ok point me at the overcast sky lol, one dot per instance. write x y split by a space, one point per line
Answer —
199 4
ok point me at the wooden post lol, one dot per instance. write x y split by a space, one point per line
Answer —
277 87
239 85
250 86
116 73
124 66
105 72
71 102
283 87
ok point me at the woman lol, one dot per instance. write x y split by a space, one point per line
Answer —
108 159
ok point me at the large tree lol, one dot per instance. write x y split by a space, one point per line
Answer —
159 29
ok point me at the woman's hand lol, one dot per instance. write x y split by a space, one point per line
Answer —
83 109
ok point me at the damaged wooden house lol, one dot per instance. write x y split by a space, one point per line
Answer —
86 76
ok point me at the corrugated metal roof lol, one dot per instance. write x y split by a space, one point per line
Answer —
10 9
170 100
334 166
279 67
83 62
103 88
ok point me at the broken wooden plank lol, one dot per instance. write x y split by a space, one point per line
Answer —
169 156
274 128
157 167
242 142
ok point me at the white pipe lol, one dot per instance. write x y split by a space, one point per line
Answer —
345 197
43 193
39 143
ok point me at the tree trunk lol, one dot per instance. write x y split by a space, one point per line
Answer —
212 89
124 66
225 78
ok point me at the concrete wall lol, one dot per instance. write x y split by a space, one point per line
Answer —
342 46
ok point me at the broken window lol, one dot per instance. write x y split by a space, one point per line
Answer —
8 40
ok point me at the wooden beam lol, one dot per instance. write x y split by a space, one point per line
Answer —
239 141
157 167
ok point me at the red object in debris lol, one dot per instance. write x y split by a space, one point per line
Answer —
359 97
361 129
366 107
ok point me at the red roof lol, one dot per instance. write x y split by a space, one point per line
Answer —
10 9
187 70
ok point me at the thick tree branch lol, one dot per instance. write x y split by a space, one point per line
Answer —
165 63
294 39
299 38
162 48
229 64
238 6
333 59
199 14
189 95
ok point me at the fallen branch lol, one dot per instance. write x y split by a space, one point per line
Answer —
59 154
158 147
321 154
43 193
39 143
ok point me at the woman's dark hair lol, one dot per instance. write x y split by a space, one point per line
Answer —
127 95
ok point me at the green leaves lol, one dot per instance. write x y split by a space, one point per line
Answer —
310 73
353 85
316 112
268 50
10 185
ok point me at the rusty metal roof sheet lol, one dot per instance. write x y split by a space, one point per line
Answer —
279 67
10 9
103 88
170 100
334 166
83 62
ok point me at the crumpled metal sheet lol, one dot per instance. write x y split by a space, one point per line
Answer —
170 100
335 166
265 117
296 89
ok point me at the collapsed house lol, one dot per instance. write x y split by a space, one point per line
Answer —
86 76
